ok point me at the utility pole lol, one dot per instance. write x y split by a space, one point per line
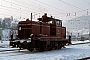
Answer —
89 27
89 32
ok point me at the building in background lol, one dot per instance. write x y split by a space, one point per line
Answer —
85 36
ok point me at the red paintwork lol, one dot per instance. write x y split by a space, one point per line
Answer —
45 35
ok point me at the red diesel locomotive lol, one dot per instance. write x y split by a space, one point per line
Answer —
45 34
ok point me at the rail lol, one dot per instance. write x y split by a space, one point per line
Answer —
9 50
80 43
84 58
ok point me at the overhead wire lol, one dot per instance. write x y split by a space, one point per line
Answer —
72 5
37 10
30 5
37 7
77 12
32 9
16 9
81 10
46 8
5 8
21 6
52 7
58 13
67 14
87 8
18 5
86 1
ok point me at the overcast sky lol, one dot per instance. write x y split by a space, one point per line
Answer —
62 9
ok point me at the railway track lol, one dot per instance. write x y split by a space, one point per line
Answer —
9 50
22 49
16 52
80 43
86 58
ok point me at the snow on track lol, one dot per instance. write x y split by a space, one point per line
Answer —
72 52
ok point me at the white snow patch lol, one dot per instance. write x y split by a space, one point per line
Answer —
71 52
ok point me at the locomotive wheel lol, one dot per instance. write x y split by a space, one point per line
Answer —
48 47
41 49
30 49
60 47
42 46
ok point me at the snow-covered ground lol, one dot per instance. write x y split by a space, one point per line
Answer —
74 42
71 52
6 34
4 43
